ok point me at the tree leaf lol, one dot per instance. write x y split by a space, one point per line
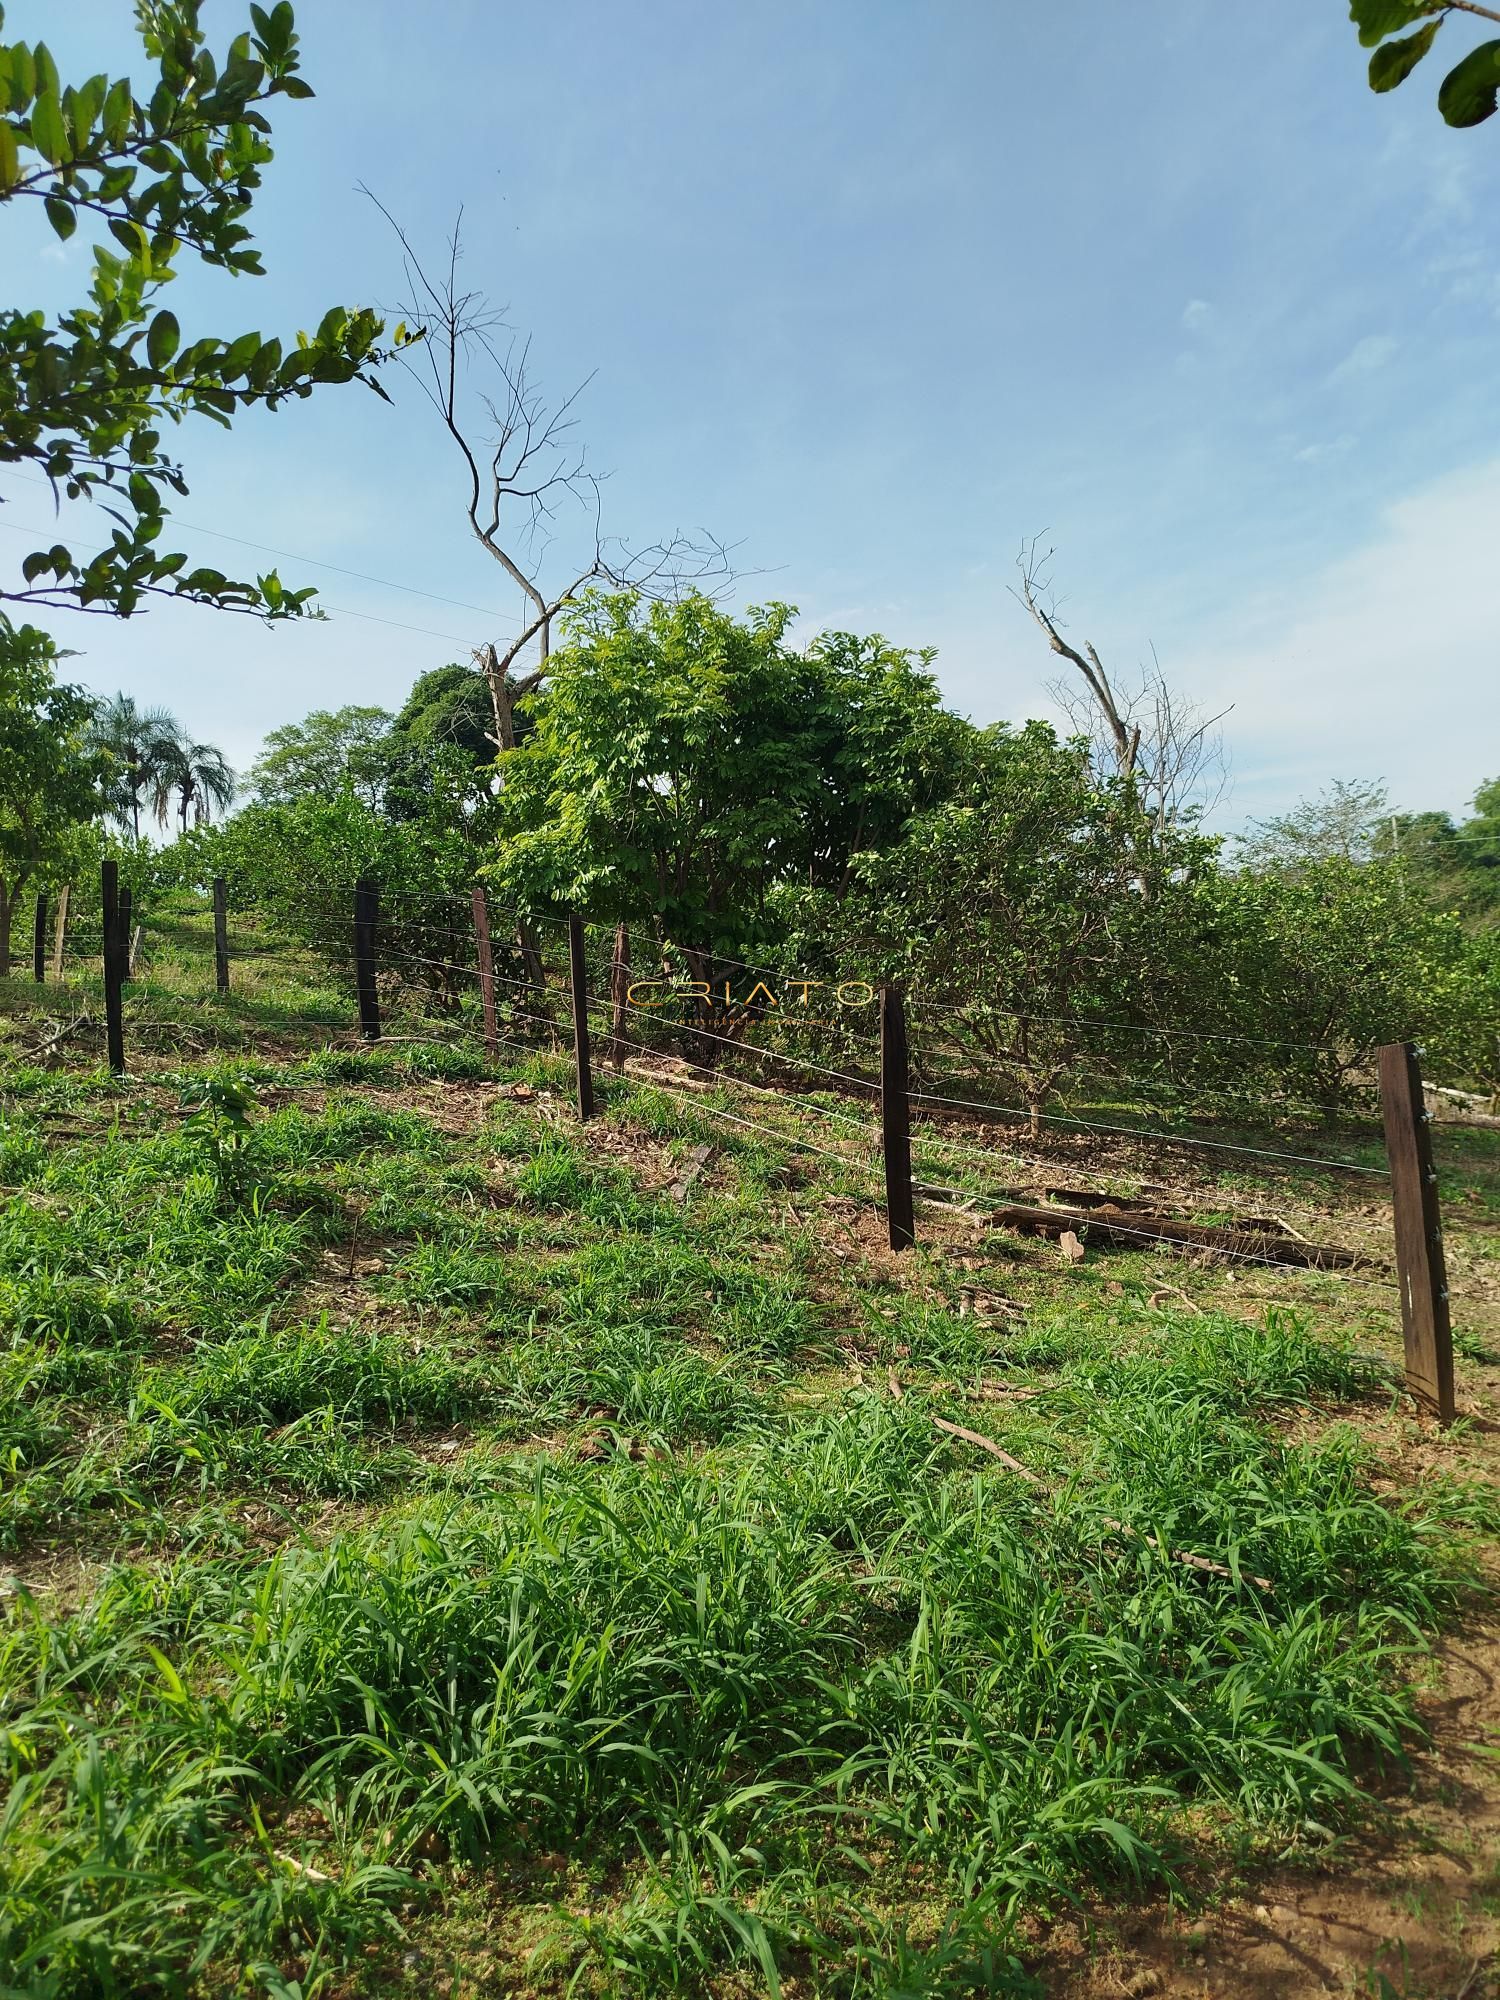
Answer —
48 133
161 341
61 215
117 108
10 158
128 234
1376 19
1467 95
1396 61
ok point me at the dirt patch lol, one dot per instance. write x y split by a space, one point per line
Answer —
1407 1911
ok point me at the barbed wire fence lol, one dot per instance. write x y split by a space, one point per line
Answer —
916 1117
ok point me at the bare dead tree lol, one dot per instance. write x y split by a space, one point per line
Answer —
523 471
1152 734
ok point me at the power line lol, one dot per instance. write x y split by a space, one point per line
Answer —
313 562
343 610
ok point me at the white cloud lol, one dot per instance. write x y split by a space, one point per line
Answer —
1196 313
1366 355
1326 448
1385 663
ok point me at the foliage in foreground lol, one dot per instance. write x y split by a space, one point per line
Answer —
85 397
776 1672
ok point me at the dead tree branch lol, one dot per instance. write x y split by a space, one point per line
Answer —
524 471
1151 735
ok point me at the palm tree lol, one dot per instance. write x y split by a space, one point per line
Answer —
199 776
137 741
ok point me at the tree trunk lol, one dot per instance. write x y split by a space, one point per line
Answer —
700 967
60 932
536 978
7 909
500 701
619 987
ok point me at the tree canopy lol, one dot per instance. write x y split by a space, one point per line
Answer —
49 778
329 751
682 763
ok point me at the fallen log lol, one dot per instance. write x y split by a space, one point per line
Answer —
1132 1228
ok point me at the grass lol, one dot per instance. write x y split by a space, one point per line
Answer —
438 1554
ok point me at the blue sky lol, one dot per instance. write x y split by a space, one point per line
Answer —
876 291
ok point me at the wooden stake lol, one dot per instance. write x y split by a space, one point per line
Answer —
60 932
577 972
39 940
1419 1235
366 915
895 1120
221 934
486 975
125 913
114 1022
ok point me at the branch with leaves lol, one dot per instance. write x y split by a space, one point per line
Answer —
1470 92
84 398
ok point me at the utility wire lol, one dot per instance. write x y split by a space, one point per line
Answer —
290 555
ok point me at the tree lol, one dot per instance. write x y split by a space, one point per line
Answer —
1350 820
49 779
1150 736
200 778
1313 967
131 742
328 752
298 861
448 705
521 471
683 763
1468 94
85 397
1014 912
1457 867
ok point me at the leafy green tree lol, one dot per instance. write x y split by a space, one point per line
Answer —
1015 911
85 398
328 752
194 775
450 705
1350 820
49 779
1457 867
298 862
1315 967
1469 92
683 763
130 741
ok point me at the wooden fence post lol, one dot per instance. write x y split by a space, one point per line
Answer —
125 913
114 1023
1419 1237
578 978
39 940
366 916
895 1120
221 934
486 974
60 932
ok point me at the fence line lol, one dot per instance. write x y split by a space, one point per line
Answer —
1422 1284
